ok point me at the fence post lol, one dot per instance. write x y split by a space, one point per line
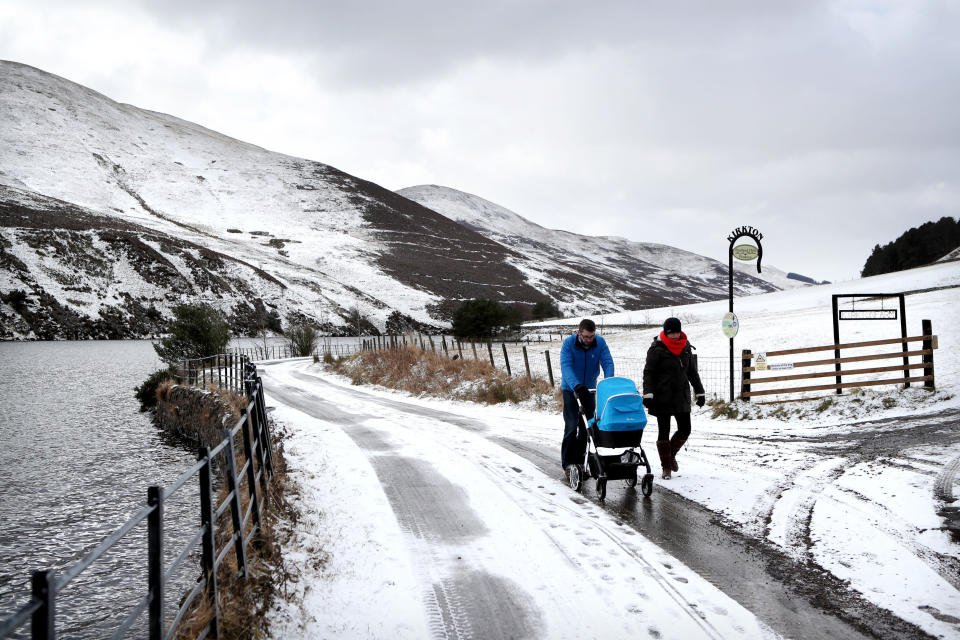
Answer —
444 339
43 622
746 359
506 358
423 347
474 345
549 367
490 351
928 359
264 426
247 429
433 346
460 349
203 374
155 562
236 515
184 378
526 362
209 557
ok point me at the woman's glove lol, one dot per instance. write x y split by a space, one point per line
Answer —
648 400
701 398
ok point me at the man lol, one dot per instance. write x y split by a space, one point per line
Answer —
581 357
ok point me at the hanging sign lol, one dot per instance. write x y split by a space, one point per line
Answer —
761 362
745 252
730 325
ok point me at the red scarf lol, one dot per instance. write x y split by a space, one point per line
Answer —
675 346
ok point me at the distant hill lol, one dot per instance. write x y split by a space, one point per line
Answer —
584 274
918 246
110 215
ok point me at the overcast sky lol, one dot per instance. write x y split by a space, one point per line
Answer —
828 126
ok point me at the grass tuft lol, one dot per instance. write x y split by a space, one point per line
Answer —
432 373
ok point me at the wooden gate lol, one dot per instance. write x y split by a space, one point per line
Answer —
756 372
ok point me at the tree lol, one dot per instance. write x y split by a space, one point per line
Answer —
302 338
914 248
398 323
196 331
544 309
479 318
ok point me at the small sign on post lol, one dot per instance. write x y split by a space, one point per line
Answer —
730 325
761 362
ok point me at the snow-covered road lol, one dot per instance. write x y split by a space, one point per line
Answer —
417 524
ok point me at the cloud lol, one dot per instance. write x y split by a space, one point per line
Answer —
827 125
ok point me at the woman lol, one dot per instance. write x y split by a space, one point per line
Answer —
667 375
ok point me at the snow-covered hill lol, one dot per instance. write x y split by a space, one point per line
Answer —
334 242
588 272
97 198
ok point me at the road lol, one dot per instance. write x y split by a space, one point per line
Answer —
470 566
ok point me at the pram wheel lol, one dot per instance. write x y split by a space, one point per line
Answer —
646 485
601 489
576 477
631 482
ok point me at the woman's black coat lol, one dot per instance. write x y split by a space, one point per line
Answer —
666 376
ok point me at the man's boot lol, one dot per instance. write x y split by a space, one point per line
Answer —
663 448
676 442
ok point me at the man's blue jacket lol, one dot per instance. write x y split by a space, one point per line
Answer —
582 366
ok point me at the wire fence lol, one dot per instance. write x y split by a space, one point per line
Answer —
537 357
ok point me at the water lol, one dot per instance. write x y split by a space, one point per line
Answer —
76 459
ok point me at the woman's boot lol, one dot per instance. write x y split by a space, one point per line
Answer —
676 442
663 448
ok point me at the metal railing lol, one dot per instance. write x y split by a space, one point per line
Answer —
257 456
224 369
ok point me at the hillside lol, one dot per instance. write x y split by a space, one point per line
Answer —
586 273
112 214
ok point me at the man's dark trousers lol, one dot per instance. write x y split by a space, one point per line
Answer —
573 449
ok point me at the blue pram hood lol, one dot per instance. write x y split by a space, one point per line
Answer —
619 406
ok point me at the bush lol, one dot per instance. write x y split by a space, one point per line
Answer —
197 331
302 338
480 318
146 393
545 309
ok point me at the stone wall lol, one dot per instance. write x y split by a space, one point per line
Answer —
196 414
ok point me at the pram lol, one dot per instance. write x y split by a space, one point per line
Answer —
617 424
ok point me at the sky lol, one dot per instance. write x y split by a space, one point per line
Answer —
828 126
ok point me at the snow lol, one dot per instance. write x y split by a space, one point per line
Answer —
793 479
525 518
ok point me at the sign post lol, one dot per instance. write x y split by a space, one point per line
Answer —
746 253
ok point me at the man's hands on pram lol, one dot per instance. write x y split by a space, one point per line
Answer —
584 396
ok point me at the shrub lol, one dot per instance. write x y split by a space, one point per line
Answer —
302 338
480 318
146 393
197 331
545 309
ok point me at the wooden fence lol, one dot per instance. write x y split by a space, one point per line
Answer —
773 372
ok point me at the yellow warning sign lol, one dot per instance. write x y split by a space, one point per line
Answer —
761 363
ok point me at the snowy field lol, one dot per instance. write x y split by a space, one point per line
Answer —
807 481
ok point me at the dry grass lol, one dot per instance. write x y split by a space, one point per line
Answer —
244 601
426 372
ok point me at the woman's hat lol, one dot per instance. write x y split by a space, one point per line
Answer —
671 325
